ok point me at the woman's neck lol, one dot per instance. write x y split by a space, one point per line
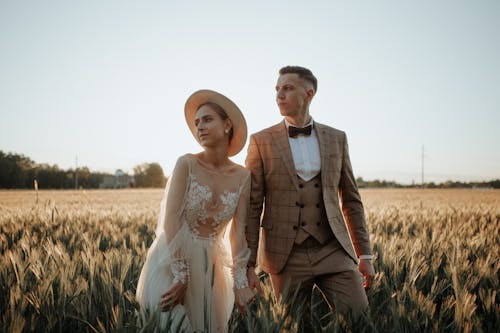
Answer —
215 157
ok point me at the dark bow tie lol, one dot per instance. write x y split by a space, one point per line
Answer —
294 131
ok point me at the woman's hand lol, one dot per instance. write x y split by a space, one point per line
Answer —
175 295
242 297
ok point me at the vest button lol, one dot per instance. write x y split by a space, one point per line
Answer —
317 205
316 185
294 227
302 206
317 223
303 223
301 185
297 204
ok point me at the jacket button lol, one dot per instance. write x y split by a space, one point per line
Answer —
316 185
302 206
294 227
303 223
317 223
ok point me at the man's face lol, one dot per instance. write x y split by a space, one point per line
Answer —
293 95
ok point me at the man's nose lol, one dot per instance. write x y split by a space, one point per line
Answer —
279 94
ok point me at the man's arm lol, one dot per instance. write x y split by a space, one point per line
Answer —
352 208
254 164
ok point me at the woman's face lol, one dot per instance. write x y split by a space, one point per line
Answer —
210 128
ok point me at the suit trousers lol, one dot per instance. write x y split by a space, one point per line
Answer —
336 275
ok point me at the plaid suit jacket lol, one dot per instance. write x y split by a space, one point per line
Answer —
273 210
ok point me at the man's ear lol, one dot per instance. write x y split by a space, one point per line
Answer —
310 93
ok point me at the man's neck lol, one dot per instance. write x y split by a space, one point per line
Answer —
299 121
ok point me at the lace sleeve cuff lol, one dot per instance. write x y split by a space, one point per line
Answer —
180 271
240 278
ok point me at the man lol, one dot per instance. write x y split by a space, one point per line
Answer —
300 168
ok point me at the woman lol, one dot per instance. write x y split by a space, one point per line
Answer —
189 274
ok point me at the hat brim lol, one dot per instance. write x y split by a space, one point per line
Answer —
201 97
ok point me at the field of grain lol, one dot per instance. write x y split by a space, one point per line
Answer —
70 261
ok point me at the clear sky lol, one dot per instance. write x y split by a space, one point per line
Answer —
106 81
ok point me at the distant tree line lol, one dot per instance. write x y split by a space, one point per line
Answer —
448 184
18 172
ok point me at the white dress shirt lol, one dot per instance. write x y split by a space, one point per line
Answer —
305 153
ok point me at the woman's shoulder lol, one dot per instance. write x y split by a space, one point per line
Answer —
188 158
242 173
184 161
240 169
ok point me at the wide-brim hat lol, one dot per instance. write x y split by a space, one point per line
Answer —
201 97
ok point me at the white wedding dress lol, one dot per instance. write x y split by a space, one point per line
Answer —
197 206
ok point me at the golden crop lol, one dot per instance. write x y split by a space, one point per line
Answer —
70 261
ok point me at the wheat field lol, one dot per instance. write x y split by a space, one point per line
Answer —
70 261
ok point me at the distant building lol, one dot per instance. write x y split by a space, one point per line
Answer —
119 180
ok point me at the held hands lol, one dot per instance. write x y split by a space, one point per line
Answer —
243 297
366 269
253 280
175 295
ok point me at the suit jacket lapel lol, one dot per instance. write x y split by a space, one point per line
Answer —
280 139
323 151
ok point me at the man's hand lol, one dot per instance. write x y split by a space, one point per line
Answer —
366 268
175 295
253 280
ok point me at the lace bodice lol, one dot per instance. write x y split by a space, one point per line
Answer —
206 215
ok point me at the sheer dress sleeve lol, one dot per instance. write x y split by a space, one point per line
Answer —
239 247
171 220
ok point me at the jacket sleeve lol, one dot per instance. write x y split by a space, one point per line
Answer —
254 164
352 207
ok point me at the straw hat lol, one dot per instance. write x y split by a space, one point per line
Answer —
201 97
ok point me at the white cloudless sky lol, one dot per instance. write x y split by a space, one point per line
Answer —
105 81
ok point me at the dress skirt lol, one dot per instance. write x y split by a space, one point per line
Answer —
209 297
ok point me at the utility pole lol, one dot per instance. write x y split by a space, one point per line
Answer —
423 180
76 172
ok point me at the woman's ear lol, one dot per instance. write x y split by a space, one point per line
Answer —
229 125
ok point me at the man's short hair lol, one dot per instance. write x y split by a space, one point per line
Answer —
303 73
